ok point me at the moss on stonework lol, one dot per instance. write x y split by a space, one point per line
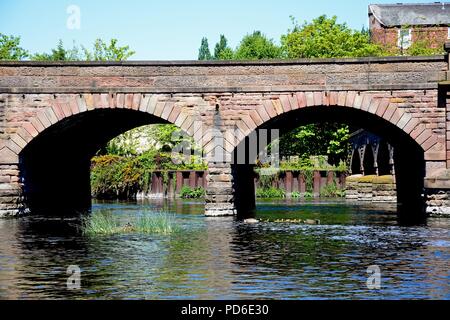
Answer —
388 179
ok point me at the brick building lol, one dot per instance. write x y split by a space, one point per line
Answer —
398 26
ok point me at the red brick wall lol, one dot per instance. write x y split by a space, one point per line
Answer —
436 35
381 35
388 37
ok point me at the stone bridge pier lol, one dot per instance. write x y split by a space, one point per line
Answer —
11 199
231 191
220 194
54 117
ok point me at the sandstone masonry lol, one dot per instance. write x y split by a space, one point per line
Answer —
205 98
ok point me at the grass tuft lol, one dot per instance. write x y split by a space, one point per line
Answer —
105 223
159 222
101 223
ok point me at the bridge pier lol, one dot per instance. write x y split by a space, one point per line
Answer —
438 202
437 194
230 191
220 193
11 199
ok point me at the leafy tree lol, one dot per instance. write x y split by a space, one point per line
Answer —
108 52
338 145
222 51
10 48
157 137
59 54
317 139
203 52
226 54
326 38
257 46
168 136
365 31
101 52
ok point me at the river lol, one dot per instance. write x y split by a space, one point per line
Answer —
221 258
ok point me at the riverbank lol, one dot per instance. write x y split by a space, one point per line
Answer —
128 178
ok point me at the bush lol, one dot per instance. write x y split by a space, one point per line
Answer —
295 195
324 37
192 193
266 177
308 195
115 177
120 177
270 193
332 191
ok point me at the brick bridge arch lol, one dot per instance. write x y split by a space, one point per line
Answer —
386 108
59 108
410 135
41 137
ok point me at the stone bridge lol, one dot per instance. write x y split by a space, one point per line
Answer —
55 116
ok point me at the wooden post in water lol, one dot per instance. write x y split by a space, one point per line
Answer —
317 179
193 179
301 183
179 177
342 178
288 183
330 177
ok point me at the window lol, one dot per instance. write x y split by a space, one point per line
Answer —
448 34
404 38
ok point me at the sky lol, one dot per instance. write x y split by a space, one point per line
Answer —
165 30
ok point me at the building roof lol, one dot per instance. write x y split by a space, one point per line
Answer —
394 15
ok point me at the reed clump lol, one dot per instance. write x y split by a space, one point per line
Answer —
147 222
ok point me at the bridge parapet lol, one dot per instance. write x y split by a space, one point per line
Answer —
381 73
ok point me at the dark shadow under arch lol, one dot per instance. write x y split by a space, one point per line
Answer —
55 165
368 164
408 156
384 166
356 162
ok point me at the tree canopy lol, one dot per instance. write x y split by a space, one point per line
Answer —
222 51
203 52
326 38
102 51
329 139
58 54
10 48
257 46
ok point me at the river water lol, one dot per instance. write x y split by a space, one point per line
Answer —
220 258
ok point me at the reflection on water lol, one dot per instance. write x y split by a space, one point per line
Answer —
215 258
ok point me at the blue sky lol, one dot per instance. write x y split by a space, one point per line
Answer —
166 30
